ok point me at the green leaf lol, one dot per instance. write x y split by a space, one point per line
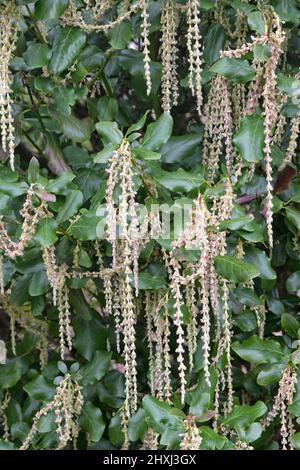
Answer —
296 440
213 441
149 281
137 426
13 189
109 132
158 132
234 269
290 325
6 445
72 203
120 35
179 181
249 140
115 432
33 170
262 52
111 390
45 233
270 374
256 22
107 108
247 296
85 227
213 43
251 434
164 419
40 389
138 125
19 430
39 284
37 55
180 147
105 154
10 373
246 320
238 70
293 282
201 398
50 9
287 10
293 215
288 85
240 5
78 130
66 48
58 185
96 368
259 259
90 335
142 153
244 415
92 422
63 100
259 351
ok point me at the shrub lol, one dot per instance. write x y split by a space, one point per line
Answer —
149 224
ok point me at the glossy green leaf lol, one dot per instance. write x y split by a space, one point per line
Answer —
238 70
96 368
259 259
234 269
162 416
244 415
85 227
45 233
10 373
109 132
290 325
142 153
287 10
293 215
259 351
179 148
39 284
149 281
37 55
66 48
72 203
90 335
40 389
49 9
270 374
213 43
137 426
256 22
158 132
288 84
249 140
293 282
120 35
92 422
179 181
213 441
295 439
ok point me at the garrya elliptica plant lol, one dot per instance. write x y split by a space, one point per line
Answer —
149 224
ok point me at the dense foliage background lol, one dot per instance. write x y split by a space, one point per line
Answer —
74 96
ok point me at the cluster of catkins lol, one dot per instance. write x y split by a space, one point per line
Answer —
8 36
170 19
66 405
283 399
